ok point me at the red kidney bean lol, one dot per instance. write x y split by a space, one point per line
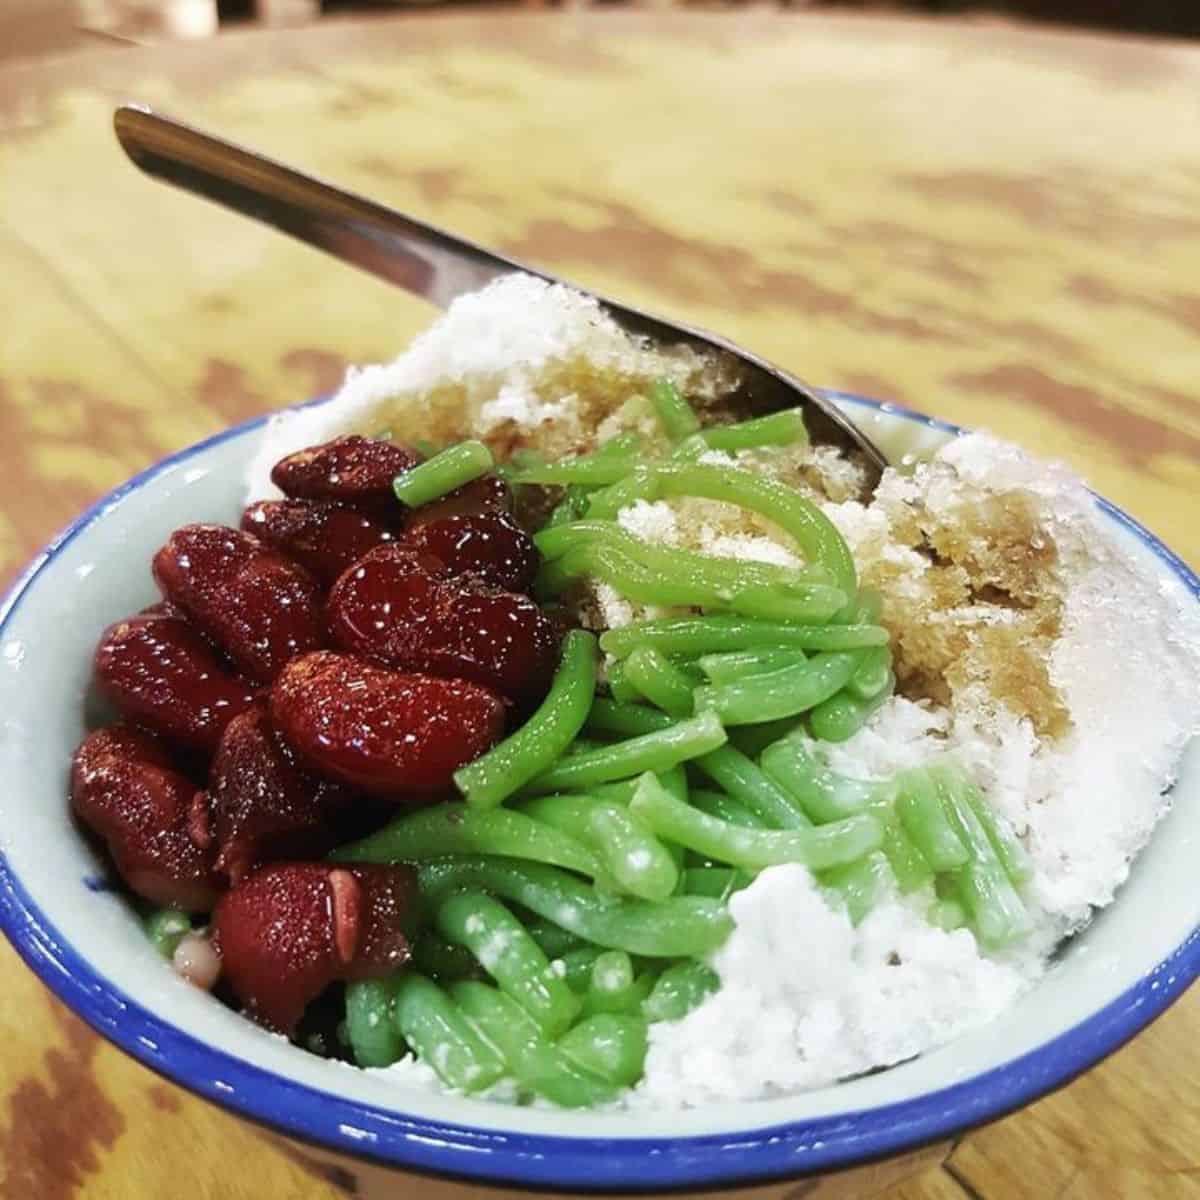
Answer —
389 734
323 537
487 494
152 818
160 673
490 546
288 930
259 607
403 609
351 469
264 806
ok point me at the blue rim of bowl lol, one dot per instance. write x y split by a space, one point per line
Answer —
582 1164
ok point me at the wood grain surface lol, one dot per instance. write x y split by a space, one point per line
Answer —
998 226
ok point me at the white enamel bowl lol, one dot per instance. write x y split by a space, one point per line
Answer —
86 945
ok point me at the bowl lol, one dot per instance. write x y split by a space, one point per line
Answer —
367 1130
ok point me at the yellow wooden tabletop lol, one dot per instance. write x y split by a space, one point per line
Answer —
998 226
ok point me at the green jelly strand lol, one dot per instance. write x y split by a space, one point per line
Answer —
652 574
946 914
577 967
620 686
456 828
739 664
679 927
610 462
641 865
753 849
370 1022
726 808
544 738
166 928
538 1065
909 865
792 765
693 637
1008 848
927 823
571 507
754 739
860 884
996 912
873 674
611 718
443 473
843 714
441 960
674 412
718 883
510 956
639 484
442 1037
745 781
553 939
817 536
654 676
613 985
785 428
634 861
657 751
680 989
610 1046
777 694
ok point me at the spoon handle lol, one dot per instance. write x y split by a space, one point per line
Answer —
417 257
425 260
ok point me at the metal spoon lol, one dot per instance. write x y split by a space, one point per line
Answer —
428 261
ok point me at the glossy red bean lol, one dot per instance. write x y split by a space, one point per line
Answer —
264 806
261 608
487 494
161 674
491 546
152 818
393 735
288 930
323 537
355 470
404 609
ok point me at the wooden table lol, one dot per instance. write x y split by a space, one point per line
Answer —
999 226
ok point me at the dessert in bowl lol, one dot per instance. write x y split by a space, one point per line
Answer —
849 785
